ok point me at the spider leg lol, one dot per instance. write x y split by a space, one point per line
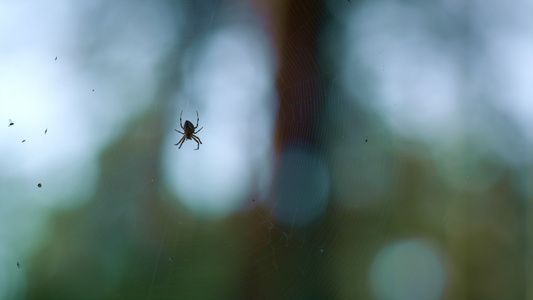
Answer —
197 140
199 130
181 122
179 131
181 141
197 119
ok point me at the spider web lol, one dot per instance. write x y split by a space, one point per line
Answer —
322 175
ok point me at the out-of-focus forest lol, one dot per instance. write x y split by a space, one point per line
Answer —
350 150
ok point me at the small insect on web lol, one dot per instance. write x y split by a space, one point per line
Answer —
189 131
10 123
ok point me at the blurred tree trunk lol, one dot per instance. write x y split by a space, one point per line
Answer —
297 27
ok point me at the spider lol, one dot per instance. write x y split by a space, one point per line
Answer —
189 132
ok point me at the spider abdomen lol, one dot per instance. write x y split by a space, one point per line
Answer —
189 129
188 125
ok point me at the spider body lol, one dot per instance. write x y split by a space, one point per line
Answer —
189 132
189 129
